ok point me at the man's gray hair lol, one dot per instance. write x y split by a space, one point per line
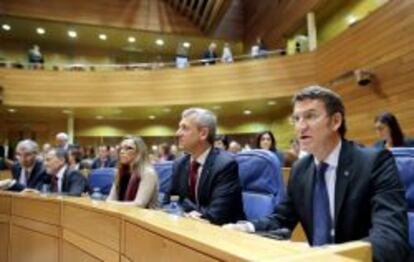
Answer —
62 136
28 145
203 118
60 153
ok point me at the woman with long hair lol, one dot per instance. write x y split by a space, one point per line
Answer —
389 131
136 182
266 140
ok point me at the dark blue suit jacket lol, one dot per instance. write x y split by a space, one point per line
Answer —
369 202
73 184
97 163
35 180
219 188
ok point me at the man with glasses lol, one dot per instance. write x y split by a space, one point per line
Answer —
206 179
341 191
28 171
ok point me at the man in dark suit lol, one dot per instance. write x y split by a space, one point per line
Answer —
206 179
340 192
61 179
103 160
28 171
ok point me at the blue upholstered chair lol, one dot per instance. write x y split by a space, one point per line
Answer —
404 157
262 182
164 172
102 178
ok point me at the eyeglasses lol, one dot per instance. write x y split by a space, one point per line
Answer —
309 117
127 148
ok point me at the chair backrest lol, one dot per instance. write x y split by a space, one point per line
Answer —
404 157
103 179
262 182
164 171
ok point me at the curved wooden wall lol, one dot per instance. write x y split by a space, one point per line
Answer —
55 229
383 44
261 78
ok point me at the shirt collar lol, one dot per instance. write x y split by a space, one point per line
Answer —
61 172
333 158
202 158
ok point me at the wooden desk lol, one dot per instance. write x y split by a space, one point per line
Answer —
51 228
4 174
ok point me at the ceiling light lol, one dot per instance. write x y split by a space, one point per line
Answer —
102 37
72 34
6 27
271 103
12 110
152 117
351 19
40 31
99 117
159 42
131 39
247 112
186 44
67 111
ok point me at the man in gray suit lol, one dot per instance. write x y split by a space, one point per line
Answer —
341 191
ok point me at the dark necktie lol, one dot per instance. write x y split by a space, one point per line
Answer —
192 179
54 184
322 222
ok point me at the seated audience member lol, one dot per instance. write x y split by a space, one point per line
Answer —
206 179
113 153
221 141
210 56
165 152
62 140
103 160
74 158
389 131
234 147
136 182
45 148
341 191
227 56
27 171
292 154
267 141
61 179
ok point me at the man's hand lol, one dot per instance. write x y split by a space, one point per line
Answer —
196 216
5 184
243 226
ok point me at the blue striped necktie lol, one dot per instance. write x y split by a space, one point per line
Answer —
322 222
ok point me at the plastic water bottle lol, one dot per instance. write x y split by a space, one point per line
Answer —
96 194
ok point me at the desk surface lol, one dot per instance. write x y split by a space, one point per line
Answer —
80 227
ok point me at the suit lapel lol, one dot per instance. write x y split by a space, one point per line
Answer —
65 180
205 174
344 174
184 177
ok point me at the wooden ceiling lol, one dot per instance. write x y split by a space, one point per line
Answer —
237 20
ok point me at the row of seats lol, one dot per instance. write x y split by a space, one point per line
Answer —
259 170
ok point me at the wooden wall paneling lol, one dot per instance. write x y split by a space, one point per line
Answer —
143 245
41 210
4 237
89 248
93 225
72 253
32 246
